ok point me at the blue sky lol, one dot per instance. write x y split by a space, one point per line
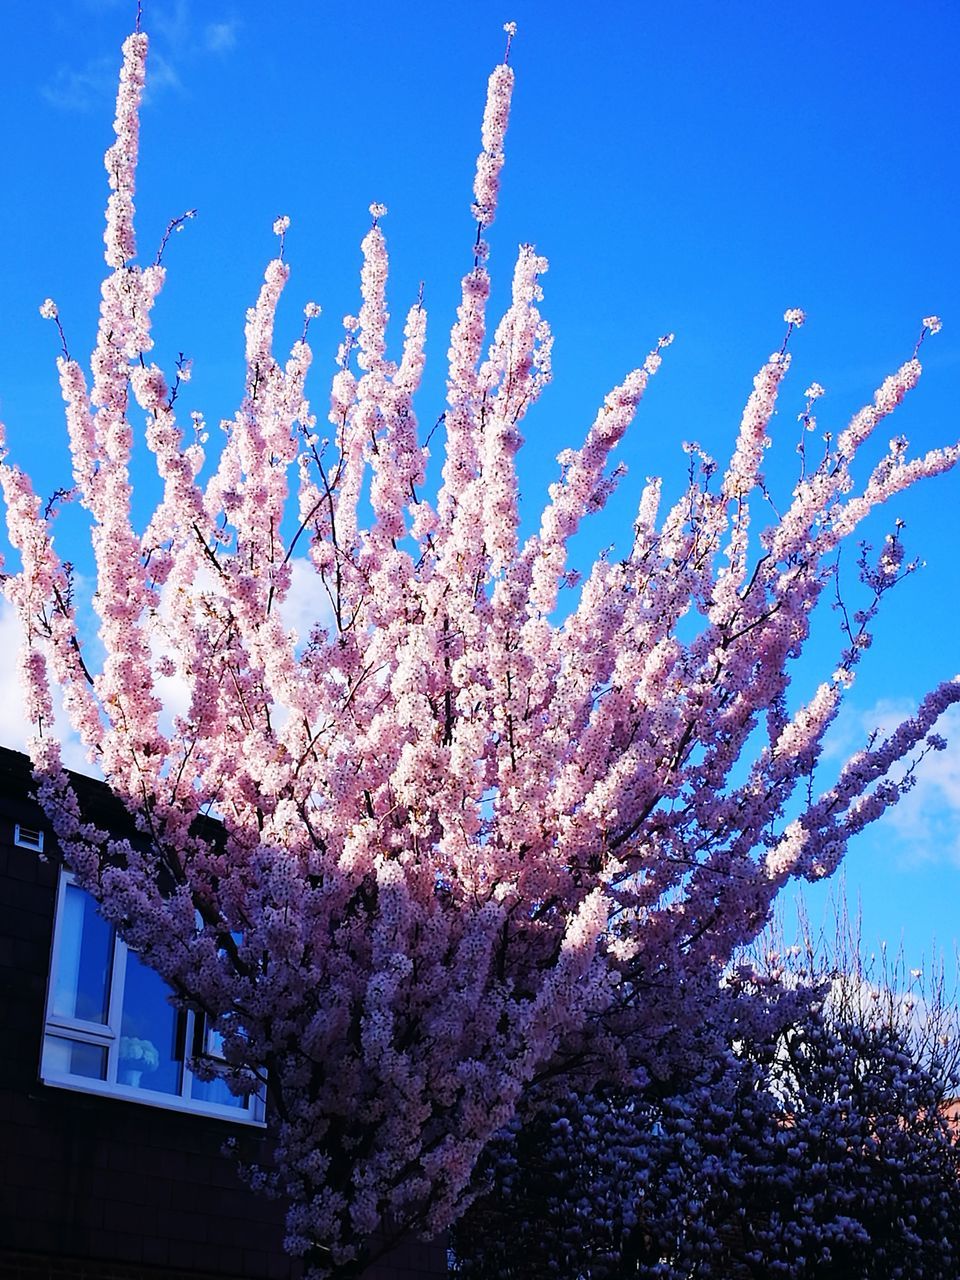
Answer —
689 167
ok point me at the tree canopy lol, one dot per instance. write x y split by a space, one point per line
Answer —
471 842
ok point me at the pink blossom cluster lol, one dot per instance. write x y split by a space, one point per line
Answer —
465 844
121 158
486 184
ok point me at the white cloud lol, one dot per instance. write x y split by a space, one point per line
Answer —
926 822
172 22
306 603
177 37
174 694
178 26
161 76
15 729
928 818
83 88
94 86
220 37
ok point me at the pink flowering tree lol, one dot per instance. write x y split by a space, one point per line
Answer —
469 842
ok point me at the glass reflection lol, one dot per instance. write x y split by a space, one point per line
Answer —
82 983
74 1058
214 1090
149 1055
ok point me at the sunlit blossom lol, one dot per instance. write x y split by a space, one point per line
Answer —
461 827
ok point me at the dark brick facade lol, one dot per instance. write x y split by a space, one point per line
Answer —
101 1188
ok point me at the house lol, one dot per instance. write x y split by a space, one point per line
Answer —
111 1155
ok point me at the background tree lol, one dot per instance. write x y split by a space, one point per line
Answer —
472 843
821 1143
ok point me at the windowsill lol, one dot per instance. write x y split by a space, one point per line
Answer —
147 1098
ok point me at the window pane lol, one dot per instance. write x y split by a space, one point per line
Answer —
209 1044
82 962
74 1058
149 1056
215 1091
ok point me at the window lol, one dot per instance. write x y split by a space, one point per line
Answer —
111 1029
28 837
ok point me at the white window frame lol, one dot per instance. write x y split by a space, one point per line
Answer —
107 1036
28 837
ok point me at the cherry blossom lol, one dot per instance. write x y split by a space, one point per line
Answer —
453 844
